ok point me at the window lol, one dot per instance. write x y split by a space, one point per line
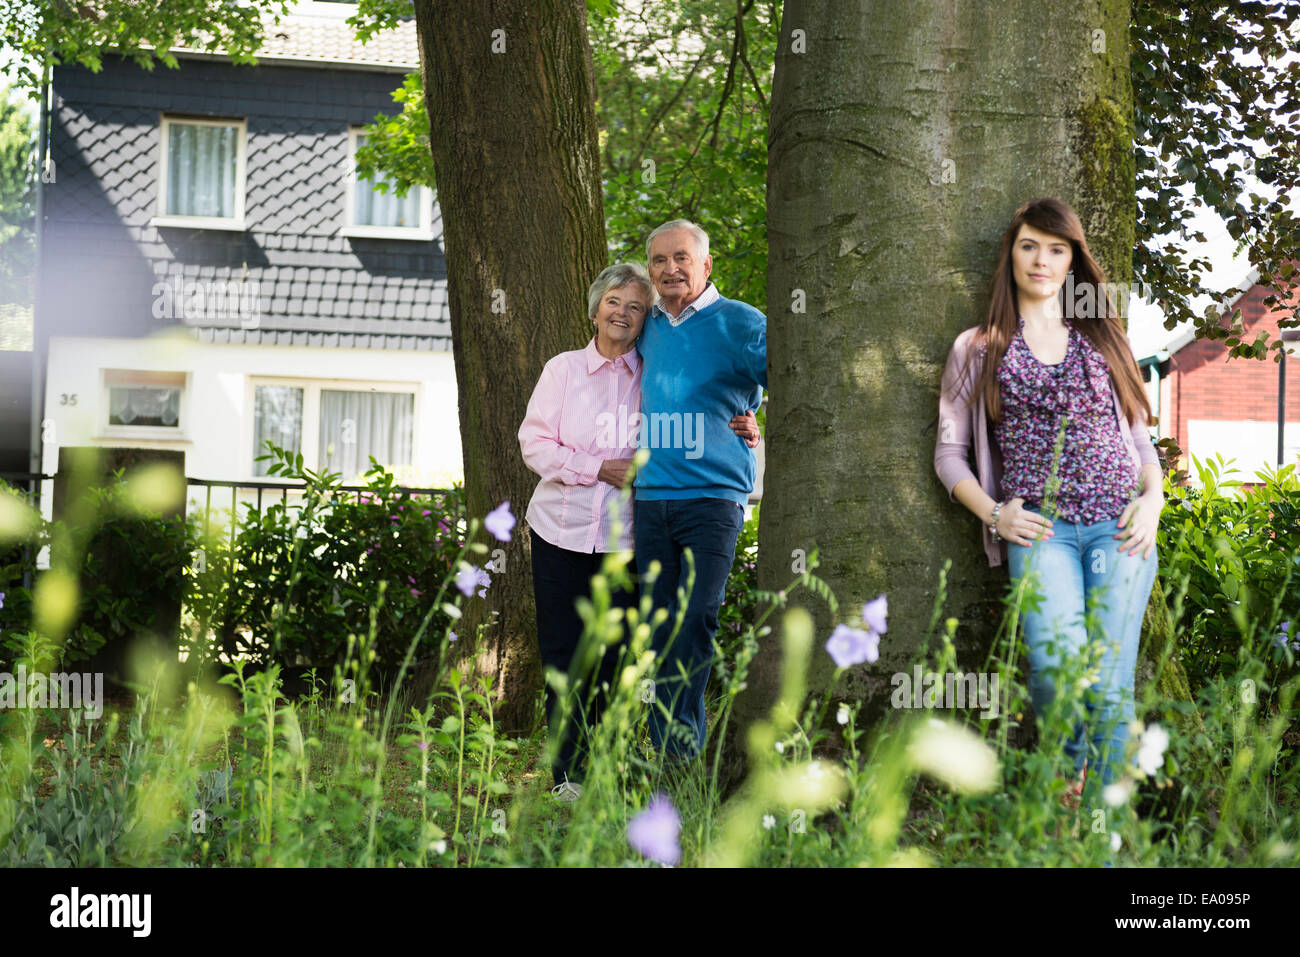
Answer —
336 426
357 425
201 173
384 215
277 418
146 404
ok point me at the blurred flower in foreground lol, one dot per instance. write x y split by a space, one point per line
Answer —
653 833
466 578
1283 637
850 646
18 520
470 577
158 487
955 755
499 522
874 614
1118 793
1151 749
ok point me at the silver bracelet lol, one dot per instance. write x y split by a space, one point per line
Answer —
993 522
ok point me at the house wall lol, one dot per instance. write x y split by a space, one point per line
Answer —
1228 407
104 259
352 310
216 410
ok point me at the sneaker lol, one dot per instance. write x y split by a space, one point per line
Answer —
567 791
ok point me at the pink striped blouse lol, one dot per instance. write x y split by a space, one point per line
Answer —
582 412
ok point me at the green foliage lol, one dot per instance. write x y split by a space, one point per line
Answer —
741 599
682 100
1214 101
130 574
682 93
255 779
17 210
70 33
396 153
298 584
250 778
1238 551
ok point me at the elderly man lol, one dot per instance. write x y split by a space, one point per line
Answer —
705 367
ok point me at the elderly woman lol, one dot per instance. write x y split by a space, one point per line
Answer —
573 436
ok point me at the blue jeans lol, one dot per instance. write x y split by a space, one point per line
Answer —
1081 570
664 529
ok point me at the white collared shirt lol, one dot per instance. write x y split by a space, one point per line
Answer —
702 302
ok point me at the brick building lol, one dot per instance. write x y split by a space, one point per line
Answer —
1213 404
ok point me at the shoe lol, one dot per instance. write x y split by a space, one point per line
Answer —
1070 799
567 791
1074 790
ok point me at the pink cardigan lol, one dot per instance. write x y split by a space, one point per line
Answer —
962 421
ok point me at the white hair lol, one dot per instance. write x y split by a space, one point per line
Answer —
701 237
616 277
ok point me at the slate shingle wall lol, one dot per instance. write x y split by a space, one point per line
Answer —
314 287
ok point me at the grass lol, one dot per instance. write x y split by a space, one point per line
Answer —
230 772
309 782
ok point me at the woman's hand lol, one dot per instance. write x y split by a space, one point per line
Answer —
746 426
1020 526
614 471
1139 521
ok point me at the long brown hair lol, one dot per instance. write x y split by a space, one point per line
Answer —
1105 332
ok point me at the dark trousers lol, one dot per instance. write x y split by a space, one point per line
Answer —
560 578
664 530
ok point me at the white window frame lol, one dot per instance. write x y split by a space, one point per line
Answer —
153 433
423 232
309 442
161 217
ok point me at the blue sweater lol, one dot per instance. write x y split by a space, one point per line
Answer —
696 377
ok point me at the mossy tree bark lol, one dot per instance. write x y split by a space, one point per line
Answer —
509 90
902 139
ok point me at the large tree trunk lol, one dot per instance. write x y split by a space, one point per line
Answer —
512 124
902 140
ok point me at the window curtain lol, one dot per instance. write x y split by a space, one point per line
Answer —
373 208
201 163
146 406
277 417
357 425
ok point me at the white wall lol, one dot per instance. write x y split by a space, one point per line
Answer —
216 426
1252 443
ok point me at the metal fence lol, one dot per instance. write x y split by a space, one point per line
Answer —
251 494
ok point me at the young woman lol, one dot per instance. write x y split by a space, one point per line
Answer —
579 435
1066 483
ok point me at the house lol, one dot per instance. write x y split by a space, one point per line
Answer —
214 275
1213 405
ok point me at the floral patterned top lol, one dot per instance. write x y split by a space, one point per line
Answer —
1097 476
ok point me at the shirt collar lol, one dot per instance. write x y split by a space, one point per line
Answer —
595 360
708 297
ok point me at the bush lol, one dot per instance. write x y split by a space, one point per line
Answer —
1238 555
302 576
130 574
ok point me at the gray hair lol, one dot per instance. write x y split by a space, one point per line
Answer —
616 277
701 237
